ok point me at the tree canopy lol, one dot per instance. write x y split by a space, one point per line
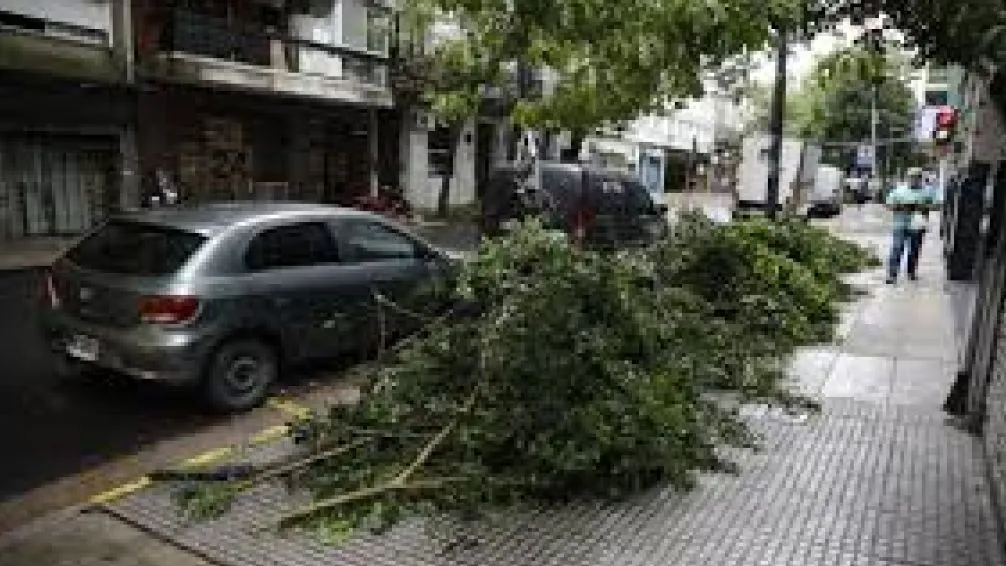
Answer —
612 61
832 105
609 61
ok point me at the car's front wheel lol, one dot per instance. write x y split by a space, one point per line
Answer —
239 375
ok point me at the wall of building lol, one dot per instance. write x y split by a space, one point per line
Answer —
422 186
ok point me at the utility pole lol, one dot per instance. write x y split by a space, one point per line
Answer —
874 118
775 124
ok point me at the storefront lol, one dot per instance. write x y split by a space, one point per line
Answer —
60 159
216 146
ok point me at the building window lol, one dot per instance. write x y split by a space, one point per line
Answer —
378 30
936 98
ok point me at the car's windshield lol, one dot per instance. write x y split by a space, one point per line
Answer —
135 248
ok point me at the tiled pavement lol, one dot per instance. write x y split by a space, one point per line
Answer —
877 478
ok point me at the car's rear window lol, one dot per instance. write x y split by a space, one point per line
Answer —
619 196
135 248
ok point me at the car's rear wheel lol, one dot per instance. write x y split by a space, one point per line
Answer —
239 375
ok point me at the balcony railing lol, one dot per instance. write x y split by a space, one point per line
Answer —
216 38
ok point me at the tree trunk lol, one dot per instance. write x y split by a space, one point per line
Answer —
444 198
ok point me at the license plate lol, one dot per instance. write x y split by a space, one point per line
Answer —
82 348
510 225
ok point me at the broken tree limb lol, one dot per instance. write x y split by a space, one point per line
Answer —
360 494
435 442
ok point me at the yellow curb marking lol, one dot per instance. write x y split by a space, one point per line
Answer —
268 435
121 491
208 457
289 407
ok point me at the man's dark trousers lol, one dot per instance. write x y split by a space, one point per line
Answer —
905 238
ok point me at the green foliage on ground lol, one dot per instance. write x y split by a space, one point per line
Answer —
585 375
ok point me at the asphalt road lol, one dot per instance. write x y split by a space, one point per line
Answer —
51 428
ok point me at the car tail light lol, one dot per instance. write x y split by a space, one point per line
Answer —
49 289
168 309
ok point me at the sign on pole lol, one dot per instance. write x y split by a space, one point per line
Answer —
864 157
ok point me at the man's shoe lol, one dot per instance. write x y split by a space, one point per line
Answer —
913 277
891 280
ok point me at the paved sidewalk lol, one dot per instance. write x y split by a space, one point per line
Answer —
877 478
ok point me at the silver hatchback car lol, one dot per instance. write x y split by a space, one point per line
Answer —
223 296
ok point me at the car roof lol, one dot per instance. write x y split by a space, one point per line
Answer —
212 218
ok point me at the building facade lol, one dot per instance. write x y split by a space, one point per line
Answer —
688 149
111 101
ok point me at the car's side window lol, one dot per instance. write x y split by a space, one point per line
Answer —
364 241
294 245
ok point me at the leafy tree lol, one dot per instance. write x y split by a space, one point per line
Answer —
844 84
610 61
799 110
832 104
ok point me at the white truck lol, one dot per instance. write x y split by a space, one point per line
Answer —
826 196
797 166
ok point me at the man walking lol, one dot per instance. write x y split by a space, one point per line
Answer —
911 203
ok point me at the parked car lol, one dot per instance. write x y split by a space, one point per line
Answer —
225 296
603 208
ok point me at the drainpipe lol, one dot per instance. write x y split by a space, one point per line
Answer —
123 53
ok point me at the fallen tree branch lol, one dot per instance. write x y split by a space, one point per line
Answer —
436 441
367 492
396 483
298 464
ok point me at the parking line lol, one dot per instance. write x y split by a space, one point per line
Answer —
121 491
269 434
215 455
289 407
208 457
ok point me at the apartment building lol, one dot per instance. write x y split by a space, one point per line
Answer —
686 146
108 100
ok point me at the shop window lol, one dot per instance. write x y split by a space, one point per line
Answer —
439 149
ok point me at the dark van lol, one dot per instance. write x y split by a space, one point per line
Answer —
602 208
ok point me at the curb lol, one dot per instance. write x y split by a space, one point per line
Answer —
41 524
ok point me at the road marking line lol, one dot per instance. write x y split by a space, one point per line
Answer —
289 407
269 434
121 491
215 455
208 457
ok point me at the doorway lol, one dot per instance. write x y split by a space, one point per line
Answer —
484 145
54 185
